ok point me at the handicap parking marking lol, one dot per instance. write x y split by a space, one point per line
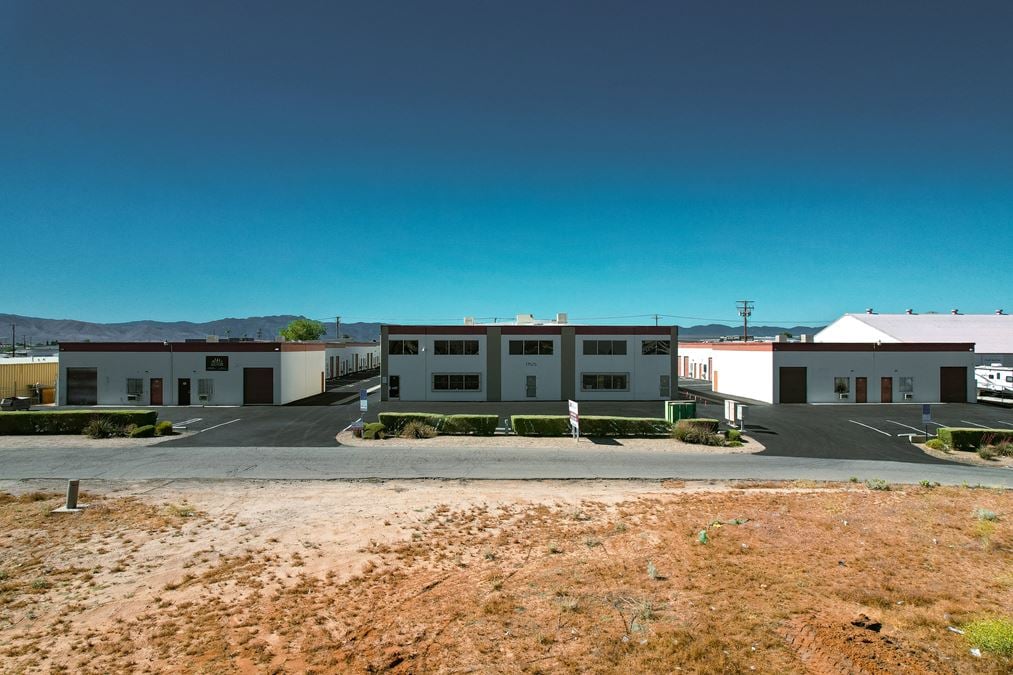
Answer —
868 427
906 426
975 424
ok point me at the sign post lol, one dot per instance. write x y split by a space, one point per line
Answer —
574 419
926 418
363 401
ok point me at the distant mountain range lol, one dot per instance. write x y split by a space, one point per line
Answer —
39 331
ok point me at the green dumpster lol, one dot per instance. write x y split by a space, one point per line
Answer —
679 410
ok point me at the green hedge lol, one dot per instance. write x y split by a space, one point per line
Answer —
22 423
960 438
482 425
590 425
704 423
146 431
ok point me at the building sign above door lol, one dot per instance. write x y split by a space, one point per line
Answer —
216 363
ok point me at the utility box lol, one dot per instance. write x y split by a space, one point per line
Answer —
679 410
742 410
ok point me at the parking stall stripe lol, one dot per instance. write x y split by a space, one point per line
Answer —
975 424
868 427
218 425
906 426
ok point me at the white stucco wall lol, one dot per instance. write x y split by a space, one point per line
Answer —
301 374
745 373
416 371
644 372
113 369
923 367
546 369
344 358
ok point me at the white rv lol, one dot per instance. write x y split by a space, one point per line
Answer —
994 380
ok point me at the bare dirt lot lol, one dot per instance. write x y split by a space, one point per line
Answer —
451 576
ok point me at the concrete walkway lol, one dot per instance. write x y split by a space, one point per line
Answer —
337 463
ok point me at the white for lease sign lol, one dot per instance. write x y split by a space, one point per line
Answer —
574 417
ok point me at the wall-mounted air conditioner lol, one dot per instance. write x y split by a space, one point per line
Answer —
202 397
843 397
131 397
908 397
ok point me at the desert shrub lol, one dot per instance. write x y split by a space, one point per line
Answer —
705 423
987 452
164 428
935 444
1004 448
698 436
960 438
394 422
374 431
68 421
877 484
480 425
103 428
417 429
986 514
992 635
590 425
147 431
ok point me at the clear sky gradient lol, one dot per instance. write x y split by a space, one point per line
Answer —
423 161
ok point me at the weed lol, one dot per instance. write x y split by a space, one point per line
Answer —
987 452
620 527
180 510
853 479
928 484
986 514
877 484
554 549
992 635
591 542
580 515
652 571
41 584
489 555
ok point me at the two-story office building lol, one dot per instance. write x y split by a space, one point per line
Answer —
528 360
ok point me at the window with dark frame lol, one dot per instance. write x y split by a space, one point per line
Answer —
655 347
604 382
604 347
455 347
906 385
530 348
456 382
403 347
135 386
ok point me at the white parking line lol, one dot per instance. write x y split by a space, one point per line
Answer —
1005 421
372 389
906 426
975 424
937 423
218 425
868 427
189 421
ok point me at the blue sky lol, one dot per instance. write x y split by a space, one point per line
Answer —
407 161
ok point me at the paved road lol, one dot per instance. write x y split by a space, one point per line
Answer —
166 462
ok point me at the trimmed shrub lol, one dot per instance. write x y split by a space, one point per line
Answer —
705 423
934 444
960 438
733 435
590 425
147 431
480 425
164 428
540 425
395 422
373 431
68 421
103 428
416 429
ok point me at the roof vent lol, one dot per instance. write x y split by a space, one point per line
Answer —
525 318
212 338
909 311
954 311
868 310
999 312
805 338
469 321
561 317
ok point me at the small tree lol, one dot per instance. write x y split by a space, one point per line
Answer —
302 330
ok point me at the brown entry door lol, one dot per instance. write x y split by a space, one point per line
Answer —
792 381
861 390
156 391
183 391
953 384
886 390
258 386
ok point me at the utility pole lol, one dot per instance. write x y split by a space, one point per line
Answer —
745 308
656 317
337 324
13 343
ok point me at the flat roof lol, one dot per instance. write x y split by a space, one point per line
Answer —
832 346
991 333
523 329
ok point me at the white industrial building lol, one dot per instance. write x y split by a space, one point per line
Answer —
344 358
991 334
528 360
824 372
189 373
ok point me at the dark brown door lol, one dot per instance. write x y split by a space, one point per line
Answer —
953 384
258 386
183 391
82 386
861 389
886 390
792 384
156 391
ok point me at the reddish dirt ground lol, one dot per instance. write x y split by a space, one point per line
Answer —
504 577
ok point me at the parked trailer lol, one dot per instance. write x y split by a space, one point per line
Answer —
994 380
